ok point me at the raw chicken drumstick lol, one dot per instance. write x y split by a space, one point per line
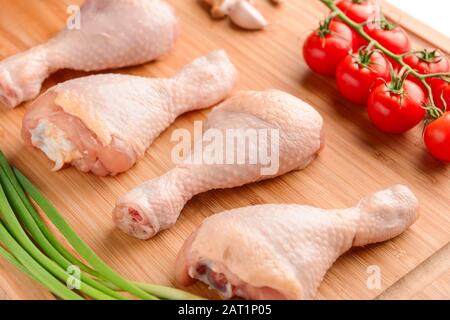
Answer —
156 204
112 34
104 123
283 251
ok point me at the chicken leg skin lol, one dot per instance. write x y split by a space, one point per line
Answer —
104 123
156 204
112 34
283 251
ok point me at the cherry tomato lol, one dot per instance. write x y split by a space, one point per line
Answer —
441 91
393 38
426 62
357 74
437 137
327 46
395 112
359 11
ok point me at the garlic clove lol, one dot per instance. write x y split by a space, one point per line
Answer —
246 16
220 8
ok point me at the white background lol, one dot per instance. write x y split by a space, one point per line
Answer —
435 13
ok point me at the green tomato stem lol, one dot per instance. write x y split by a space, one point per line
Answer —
436 75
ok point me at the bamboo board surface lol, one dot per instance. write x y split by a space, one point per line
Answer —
357 159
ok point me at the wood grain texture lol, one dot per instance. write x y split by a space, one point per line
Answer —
16 285
431 274
357 159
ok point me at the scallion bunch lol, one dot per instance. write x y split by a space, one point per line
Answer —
27 243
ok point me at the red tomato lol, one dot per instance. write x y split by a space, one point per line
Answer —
358 10
437 137
327 46
392 37
441 91
426 62
357 74
395 112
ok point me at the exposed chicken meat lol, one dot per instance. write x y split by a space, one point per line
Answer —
104 123
156 204
284 251
112 34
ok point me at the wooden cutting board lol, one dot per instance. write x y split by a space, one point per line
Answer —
357 159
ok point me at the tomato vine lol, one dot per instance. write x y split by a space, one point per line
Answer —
359 29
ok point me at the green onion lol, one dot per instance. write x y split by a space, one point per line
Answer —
38 236
39 231
39 254
13 260
42 226
162 292
76 241
167 292
13 225
38 272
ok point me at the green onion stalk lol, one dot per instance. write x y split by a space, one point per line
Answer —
27 243
433 111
